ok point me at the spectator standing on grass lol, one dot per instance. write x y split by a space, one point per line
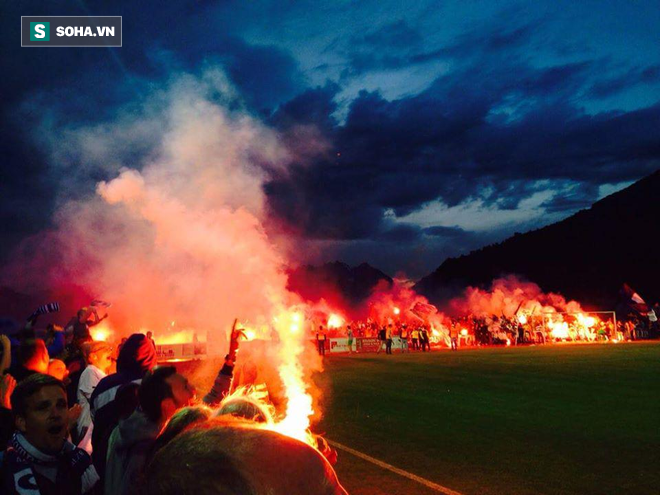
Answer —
424 338
320 340
350 339
381 339
453 335
415 339
404 338
388 339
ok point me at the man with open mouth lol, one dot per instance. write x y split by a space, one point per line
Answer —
39 460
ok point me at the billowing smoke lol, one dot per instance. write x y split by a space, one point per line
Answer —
175 238
400 302
509 295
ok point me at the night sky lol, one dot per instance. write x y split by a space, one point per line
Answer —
446 125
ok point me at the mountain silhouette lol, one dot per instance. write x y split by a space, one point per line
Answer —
587 256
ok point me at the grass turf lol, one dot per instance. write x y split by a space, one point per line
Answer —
573 419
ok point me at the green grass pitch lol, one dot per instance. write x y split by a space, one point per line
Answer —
561 419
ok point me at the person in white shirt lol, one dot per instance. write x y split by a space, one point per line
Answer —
98 356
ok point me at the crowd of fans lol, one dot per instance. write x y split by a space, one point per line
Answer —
78 416
489 330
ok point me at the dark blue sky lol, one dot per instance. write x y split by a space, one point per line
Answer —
450 124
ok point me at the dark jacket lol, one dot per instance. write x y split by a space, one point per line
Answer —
28 470
221 386
6 427
128 449
137 356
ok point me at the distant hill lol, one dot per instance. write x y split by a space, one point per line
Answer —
586 257
336 282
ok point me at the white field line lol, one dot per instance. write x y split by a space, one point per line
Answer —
400 472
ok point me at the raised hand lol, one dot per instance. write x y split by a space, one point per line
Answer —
74 413
7 386
236 334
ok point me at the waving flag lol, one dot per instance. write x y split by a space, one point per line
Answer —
632 301
99 303
423 310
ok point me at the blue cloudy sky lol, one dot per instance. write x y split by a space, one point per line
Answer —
452 124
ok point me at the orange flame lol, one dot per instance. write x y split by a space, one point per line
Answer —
335 321
295 422
180 337
101 332
559 330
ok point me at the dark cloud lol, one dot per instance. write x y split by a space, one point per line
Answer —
397 46
395 35
609 86
74 87
313 106
498 125
489 132
575 197
402 232
446 231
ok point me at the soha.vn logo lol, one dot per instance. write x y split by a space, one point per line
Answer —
40 31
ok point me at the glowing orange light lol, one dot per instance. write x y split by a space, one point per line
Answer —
180 337
100 334
560 330
464 332
522 319
396 310
335 321
102 331
295 422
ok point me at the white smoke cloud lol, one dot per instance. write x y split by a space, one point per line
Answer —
177 232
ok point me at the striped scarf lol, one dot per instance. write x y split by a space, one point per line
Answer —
46 308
